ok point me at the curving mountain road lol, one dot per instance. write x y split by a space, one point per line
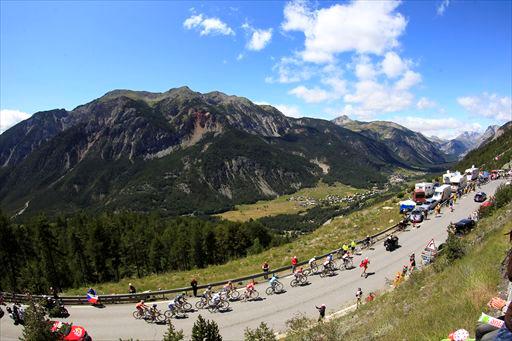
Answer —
116 321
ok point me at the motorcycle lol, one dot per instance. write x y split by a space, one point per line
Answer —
391 243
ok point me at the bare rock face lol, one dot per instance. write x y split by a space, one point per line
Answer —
182 152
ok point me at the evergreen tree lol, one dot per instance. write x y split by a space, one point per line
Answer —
173 335
36 327
8 252
262 333
205 330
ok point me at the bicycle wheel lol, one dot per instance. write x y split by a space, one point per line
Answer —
213 308
200 304
224 305
306 272
349 264
234 295
255 294
303 279
269 291
278 287
186 306
314 268
160 317
323 273
169 314
137 315
294 283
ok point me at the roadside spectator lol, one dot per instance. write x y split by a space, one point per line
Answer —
412 262
370 297
265 268
294 263
193 284
131 289
438 210
359 296
321 310
364 264
425 213
451 204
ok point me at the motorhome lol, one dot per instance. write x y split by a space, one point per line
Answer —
458 181
442 193
447 177
422 191
471 173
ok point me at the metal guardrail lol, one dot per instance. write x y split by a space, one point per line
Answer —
161 294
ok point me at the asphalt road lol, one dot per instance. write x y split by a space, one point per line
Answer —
116 321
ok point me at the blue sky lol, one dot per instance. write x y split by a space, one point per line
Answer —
439 67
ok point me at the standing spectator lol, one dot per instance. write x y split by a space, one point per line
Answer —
131 289
321 310
193 284
451 204
425 213
438 210
294 263
364 264
265 268
359 296
412 262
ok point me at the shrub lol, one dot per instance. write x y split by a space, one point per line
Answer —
173 334
36 328
262 333
205 330
454 248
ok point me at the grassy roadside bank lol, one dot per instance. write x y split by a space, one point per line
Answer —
325 238
432 303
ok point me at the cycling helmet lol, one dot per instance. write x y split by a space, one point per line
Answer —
209 287
323 305
154 305
141 301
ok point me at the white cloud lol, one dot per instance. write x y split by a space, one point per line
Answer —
240 56
442 7
393 66
360 26
337 88
289 110
365 70
425 103
310 95
446 127
259 39
488 105
9 118
207 26
371 98
409 80
291 70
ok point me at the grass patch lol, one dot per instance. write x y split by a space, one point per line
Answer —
433 302
282 204
323 239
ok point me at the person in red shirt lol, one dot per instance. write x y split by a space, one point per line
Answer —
294 263
364 265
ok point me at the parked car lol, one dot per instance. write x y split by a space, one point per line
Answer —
69 332
480 197
464 225
429 204
416 215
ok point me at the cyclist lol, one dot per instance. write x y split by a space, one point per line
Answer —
180 298
353 246
172 305
298 273
364 265
153 311
216 299
208 293
249 288
273 280
312 262
228 287
329 258
141 307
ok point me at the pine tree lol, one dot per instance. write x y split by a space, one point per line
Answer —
262 333
173 334
36 327
205 330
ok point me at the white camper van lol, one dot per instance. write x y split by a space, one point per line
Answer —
442 193
471 173
457 181
447 177
426 187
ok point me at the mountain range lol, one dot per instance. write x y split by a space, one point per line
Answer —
465 142
183 152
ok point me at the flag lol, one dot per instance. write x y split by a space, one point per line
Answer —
92 298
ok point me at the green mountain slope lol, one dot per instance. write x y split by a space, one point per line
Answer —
179 152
